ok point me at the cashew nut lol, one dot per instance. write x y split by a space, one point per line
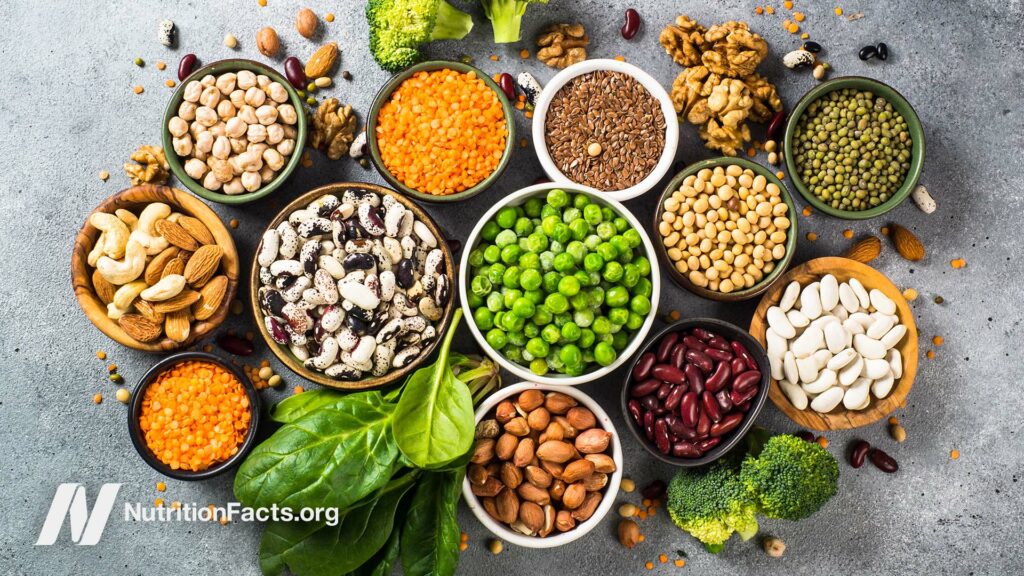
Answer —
116 233
145 232
168 287
115 313
97 250
128 218
127 294
119 272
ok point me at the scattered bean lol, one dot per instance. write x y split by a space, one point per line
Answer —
632 24
883 461
858 452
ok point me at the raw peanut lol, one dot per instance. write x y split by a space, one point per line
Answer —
538 476
538 419
505 412
506 446
574 496
511 476
558 403
507 504
487 429
549 521
581 418
556 451
532 515
595 482
517 426
483 451
531 493
577 470
491 507
553 468
490 487
477 474
530 400
564 521
554 431
568 431
586 510
602 463
524 452
593 441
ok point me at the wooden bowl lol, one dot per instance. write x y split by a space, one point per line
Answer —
684 280
844 269
286 356
134 199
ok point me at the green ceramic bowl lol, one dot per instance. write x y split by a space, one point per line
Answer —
385 93
682 279
899 103
220 67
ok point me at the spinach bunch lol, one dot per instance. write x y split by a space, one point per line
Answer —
392 464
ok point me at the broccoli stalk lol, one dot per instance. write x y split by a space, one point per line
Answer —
399 27
790 479
711 505
506 16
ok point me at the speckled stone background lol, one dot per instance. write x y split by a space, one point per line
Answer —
67 112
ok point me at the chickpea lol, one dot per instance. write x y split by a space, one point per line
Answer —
196 168
193 90
238 145
237 98
177 127
208 80
251 181
286 147
204 143
235 127
698 279
195 129
255 97
206 116
221 148
273 159
245 79
210 182
287 114
210 97
199 154
220 169
266 114
217 129
291 132
248 114
182 146
250 161
234 186
225 109
226 83
277 92
275 134
262 81
187 111
256 133
267 174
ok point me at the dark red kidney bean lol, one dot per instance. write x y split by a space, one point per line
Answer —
645 388
857 453
685 450
643 366
745 407
741 396
186 65
678 355
775 125
703 425
661 439
688 409
655 490
720 377
295 73
694 377
677 427
695 343
508 86
883 461
719 355
724 402
664 390
235 345
700 359
808 437
719 343
676 396
649 425
738 365
708 443
742 352
631 24
746 380
702 334
668 373
727 424
665 346
649 402
711 406
634 410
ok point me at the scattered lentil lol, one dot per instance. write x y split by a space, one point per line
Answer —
938 340
662 558
138 89
822 441
848 233
807 211
159 502
101 354
104 175
160 65
958 263
649 565
930 354
298 390
954 454
169 83
839 11
524 54
910 294
495 546
679 562
329 17
233 223
97 399
812 236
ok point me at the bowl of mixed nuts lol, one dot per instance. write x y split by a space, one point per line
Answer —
545 467
352 286
234 131
154 268
607 125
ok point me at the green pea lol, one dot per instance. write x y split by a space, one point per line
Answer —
619 341
539 366
587 338
532 207
584 278
476 257
570 214
547 225
597 295
630 275
613 272
535 296
551 281
607 251
581 201
640 304
644 265
632 238
635 321
529 260
480 286
558 197
513 354
604 354
561 233
644 287
621 224
537 347
531 330
568 286
557 303
510 279
506 217
570 354
607 213
549 210
537 242
490 231
496 339
601 325
564 262
530 279
579 229
510 254
577 250
593 262
592 214
523 227
618 316
492 254
556 247
583 318
542 316
496 273
474 300
506 237
551 334
605 230
579 302
619 242
495 302
523 307
592 241
512 323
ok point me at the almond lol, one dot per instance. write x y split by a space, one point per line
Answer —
175 266
593 441
139 328
197 230
321 62
556 451
210 297
103 288
532 515
865 250
578 470
183 300
530 400
177 325
906 243
148 312
507 504
267 42
306 23
176 235
558 403
202 265
156 266
574 496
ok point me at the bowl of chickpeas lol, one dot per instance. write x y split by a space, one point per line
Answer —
726 229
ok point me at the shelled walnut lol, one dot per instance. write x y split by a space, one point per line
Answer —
562 45
684 41
334 128
152 167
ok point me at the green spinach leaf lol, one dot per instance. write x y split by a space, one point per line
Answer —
333 456
294 407
434 416
430 537
315 549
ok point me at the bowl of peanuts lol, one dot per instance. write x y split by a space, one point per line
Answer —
727 229
193 416
440 131
234 131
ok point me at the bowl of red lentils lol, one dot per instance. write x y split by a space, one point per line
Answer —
440 131
193 416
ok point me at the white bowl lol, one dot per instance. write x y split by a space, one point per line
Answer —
671 123
515 199
610 491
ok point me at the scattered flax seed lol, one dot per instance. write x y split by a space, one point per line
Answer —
233 223
524 54
807 211
138 89
329 17
954 454
847 233
160 486
938 341
939 299
97 399
812 236
910 294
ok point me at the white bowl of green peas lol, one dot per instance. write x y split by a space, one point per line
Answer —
559 301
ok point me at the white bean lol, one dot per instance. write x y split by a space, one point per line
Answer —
881 387
841 359
849 374
797 319
825 380
777 320
835 337
852 326
868 347
893 336
862 294
789 296
829 291
880 324
856 394
797 397
876 368
895 362
789 368
810 301
848 298
809 342
808 368
827 400
881 302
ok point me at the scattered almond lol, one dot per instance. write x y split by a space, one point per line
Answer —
321 62
865 250
906 243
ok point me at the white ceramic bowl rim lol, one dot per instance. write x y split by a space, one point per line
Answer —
648 82
516 198
610 491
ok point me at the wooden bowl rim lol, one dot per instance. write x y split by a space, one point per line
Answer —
285 355
81 272
840 418
768 281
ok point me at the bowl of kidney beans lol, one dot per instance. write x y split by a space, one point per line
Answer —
694 390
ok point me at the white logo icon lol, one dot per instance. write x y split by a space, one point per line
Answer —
86 527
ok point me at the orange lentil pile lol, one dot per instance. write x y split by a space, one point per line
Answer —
442 132
194 415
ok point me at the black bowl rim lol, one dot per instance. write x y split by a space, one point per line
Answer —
135 432
726 329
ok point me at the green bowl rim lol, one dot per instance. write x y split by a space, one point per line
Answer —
780 267
229 65
385 92
902 106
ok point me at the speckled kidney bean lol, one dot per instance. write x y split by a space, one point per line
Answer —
631 25
883 461
857 453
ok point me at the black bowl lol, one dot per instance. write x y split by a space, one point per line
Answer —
135 431
730 440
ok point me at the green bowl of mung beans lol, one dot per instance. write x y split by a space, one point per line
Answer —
854 147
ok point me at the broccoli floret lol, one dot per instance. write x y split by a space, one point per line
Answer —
791 479
399 27
712 504
506 16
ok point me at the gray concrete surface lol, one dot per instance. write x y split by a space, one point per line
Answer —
67 112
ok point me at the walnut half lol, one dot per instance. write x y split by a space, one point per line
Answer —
334 128
562 45
152 167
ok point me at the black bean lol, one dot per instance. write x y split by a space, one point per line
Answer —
404 276
812 46
883 51
867 53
